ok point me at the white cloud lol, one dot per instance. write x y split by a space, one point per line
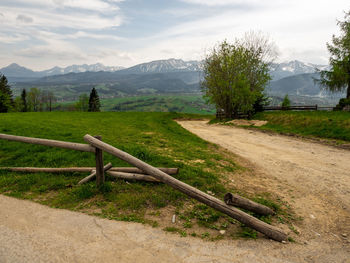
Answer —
24 19
94 5
222 2
11 39
52 49
54 20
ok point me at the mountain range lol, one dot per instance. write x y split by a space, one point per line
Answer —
295 78
15 72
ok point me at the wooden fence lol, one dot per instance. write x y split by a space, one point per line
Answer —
297 108
221 114
97 146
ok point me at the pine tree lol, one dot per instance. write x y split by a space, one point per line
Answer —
6 100
94 101
24 100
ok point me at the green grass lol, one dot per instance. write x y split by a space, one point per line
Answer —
322 124
153 137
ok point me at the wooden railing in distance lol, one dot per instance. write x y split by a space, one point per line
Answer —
296 107
250 221
54 143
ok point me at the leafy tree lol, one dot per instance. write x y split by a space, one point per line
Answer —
18 104
34 99
6 101
235 75
83 103
94 101
24 101
286 102
338 77
46 99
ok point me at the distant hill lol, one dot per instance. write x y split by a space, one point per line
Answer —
15 70
301 84
292 68
112 84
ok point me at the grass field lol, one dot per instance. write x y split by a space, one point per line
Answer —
322 124
152 137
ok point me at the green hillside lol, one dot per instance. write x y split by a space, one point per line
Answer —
322 124
186 103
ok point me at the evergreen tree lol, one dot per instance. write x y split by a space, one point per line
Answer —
6 100
24 100
94 101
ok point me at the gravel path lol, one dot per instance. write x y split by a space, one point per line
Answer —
313 178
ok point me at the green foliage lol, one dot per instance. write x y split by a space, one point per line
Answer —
34 102
6 101
235 75
338 78
286 102
94 101
322 124
83 103
24 101
342 103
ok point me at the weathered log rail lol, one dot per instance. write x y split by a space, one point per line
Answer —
250 221
132 170
46 142
239 201
143 171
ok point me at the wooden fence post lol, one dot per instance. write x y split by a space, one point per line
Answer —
100 176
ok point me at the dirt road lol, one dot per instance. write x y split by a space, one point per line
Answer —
313 178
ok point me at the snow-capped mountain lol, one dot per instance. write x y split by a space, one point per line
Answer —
80 68
163 66
16 72
278 70
295 67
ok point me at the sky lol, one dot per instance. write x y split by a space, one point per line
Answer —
41 34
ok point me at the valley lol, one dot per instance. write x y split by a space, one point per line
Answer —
162 77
